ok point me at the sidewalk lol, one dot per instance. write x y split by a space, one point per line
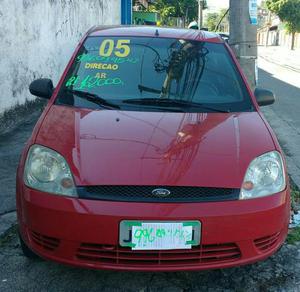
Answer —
281 56
15 128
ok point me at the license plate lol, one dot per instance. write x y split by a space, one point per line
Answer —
146 235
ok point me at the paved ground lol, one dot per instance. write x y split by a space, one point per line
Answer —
11 145
281 56
279 273
284 115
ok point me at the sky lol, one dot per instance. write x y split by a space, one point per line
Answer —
218 4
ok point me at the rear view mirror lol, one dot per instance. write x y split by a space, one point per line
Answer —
264 96
42 87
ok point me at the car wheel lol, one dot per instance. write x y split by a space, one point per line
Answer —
27 252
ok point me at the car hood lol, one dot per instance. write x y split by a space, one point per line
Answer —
107 147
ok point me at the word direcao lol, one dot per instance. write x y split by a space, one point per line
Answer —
101 66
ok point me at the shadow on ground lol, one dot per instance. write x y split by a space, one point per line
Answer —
20 274
13 136
287 104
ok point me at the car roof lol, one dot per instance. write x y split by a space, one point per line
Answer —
155 31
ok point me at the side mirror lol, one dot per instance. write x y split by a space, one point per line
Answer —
264 96
42 87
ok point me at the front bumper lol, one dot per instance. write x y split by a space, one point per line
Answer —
85 233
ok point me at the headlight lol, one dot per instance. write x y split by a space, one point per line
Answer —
265 176
47 171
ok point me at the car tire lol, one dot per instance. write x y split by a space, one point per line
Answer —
27 252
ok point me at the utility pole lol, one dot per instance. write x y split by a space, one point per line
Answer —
242 40
200 13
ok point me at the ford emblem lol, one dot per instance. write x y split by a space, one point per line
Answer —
162 193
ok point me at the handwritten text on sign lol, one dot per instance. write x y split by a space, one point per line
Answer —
156 236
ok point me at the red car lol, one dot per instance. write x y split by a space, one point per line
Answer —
152 155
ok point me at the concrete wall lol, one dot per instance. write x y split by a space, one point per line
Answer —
37 38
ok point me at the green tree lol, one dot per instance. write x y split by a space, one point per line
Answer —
212 20
289 12
185 9
215 19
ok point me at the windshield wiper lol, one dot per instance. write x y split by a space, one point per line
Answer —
93 98
173 102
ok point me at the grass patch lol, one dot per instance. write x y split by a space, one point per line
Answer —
295 195
8 235
20 114
294 235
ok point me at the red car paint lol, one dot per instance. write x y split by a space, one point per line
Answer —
122 148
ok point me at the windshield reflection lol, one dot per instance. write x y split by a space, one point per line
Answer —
184 66
156 68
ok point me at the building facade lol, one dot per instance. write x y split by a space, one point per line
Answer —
38 38
272 33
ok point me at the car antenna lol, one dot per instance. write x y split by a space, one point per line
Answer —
156 33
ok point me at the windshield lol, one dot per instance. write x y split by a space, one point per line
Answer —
154 74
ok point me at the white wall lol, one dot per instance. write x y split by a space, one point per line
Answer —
37 38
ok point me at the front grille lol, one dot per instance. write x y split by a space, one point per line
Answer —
114 255
144 194
264 243
45 242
